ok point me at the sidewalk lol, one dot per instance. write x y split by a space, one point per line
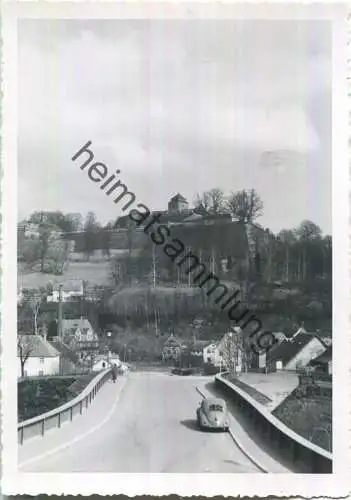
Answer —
81 426
274 386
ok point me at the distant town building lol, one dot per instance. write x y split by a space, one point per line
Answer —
30 230
171 348
71 290
77 331
177 204
211 354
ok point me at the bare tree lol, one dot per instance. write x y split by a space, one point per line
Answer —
212 201
45 231
24 349
33 301
245 205
232 349
288 238
307 233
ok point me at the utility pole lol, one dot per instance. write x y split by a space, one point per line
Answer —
59 329
59 325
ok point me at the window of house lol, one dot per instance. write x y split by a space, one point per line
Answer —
41 373
208 360
41 360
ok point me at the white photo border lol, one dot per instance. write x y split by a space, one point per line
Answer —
306 485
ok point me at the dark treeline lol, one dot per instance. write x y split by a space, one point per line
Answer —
301 254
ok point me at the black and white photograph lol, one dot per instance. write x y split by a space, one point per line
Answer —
178 319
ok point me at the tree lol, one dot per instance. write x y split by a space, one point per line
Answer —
212 201
232 348
29 250
309 238
24 349
327 249
287 238
245 205
46 229
74 222
308 231
33 300
107 238
91 227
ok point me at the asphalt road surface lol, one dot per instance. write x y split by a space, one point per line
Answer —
151 429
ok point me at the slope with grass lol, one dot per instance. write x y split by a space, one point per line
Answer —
311 417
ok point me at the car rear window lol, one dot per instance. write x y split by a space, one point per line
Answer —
215 408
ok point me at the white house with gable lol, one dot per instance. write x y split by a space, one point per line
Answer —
296 352
211 354
37 355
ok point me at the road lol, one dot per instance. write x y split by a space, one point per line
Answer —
152 428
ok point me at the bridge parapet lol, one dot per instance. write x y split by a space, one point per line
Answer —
308 457
37 426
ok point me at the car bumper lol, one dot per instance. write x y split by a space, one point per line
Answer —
214 427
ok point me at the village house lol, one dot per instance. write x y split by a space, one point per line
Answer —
196 347
295 352
69 360
177 204
211 354
171 348
324 362
71 290
38 356
76 332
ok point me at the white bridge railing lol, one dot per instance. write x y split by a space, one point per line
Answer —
55 418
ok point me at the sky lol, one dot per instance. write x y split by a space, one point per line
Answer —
178 106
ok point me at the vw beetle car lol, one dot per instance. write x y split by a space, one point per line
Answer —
212 414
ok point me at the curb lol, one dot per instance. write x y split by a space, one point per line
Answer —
242 449
238 444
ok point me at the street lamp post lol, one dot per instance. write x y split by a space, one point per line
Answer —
108 336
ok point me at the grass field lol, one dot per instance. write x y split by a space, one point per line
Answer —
94 272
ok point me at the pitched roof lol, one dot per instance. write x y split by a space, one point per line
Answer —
178 197
325 357
73 324
38 347
65 351
288 349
